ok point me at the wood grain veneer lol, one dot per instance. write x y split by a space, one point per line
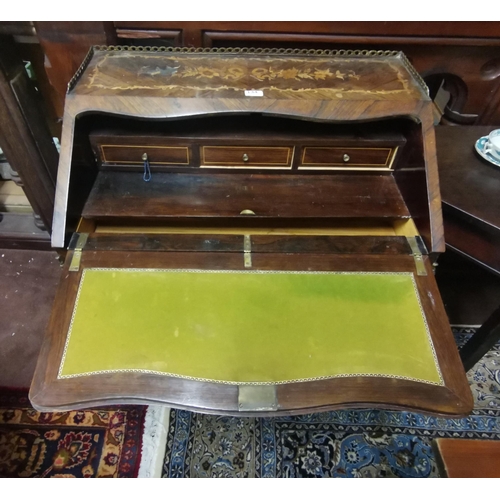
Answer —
182 195
468 458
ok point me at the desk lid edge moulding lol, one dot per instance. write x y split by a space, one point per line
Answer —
317 294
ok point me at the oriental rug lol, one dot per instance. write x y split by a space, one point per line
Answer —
348 443
87 443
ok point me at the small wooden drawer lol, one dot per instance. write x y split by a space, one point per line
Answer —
340 158
245 157
157 155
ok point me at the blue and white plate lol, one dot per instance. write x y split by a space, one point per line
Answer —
480 143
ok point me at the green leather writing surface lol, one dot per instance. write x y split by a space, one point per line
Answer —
249 326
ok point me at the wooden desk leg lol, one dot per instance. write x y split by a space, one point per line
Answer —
482 341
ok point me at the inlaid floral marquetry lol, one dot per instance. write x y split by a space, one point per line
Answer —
194 75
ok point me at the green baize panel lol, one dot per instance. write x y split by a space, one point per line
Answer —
249 327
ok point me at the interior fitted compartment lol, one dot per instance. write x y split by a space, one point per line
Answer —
311 189
247 142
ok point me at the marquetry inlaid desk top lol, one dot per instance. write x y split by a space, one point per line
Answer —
228 74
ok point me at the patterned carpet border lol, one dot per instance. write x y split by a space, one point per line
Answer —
342 443
103 442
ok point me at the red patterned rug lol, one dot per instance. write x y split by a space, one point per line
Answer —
104 442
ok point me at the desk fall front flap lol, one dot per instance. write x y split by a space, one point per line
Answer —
254 231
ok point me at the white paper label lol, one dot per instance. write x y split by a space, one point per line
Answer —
254 93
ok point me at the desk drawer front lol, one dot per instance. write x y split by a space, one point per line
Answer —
244 157
338 157
157 155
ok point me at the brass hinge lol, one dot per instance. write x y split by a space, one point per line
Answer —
417 256
77 243
257 398
247 250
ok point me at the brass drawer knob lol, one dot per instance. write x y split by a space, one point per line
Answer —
346 158
245 157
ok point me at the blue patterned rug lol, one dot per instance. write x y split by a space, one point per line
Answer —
346 443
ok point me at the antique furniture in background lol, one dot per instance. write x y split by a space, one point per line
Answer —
470 189
259 164
29 148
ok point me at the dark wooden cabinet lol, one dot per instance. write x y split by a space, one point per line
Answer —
277 259
28 145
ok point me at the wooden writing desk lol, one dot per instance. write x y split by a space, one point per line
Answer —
470 191
279 257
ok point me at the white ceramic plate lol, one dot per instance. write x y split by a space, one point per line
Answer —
480 143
